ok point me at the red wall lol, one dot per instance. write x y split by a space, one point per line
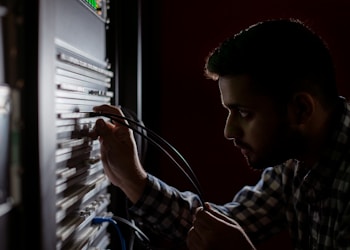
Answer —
192 118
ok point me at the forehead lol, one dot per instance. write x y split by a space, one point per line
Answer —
239 91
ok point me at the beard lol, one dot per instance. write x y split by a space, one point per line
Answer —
286 144
265 163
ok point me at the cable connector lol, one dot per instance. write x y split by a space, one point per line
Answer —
99 220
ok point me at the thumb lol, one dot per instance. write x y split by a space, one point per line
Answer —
219 214
231 221
101 128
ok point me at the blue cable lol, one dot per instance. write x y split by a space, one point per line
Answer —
99 220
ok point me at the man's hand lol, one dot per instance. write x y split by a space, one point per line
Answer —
213 230
119 154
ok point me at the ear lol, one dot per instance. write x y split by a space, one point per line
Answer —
302 107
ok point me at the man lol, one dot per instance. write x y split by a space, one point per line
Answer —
277 82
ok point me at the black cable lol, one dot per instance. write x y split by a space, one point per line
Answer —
121 120
141 236
140 141
138 232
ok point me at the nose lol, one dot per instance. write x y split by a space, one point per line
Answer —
232 129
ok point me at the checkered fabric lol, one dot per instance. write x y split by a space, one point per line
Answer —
313 204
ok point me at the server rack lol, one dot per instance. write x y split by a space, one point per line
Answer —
58 68
73 76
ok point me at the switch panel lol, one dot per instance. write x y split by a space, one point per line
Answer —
81 186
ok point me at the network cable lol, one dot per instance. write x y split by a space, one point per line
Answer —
121 120
99 220
142 237
157 142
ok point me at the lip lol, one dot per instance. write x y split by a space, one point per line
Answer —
243 147
244 151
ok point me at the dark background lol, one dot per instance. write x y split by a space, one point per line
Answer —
184 107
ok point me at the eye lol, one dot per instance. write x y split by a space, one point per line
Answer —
243 113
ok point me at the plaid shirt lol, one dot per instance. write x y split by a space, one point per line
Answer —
313 204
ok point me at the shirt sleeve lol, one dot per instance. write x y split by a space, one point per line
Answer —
165 210
260 209
169 212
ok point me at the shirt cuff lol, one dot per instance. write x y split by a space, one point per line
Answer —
150 187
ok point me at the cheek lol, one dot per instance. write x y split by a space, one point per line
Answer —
264 135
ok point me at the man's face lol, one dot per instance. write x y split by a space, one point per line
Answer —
264 135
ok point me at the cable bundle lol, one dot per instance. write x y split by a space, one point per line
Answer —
161 144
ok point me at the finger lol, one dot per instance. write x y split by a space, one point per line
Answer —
104 132
218 214
97 130
198 209
106 108
221 216
229 221
113 110
100 130
205 219
92 134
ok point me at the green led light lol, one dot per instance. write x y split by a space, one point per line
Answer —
92 3
95 5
